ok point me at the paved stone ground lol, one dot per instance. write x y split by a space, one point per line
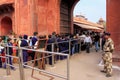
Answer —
83 66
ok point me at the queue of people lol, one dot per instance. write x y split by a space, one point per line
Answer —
78 42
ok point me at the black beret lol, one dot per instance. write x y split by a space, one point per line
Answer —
107 33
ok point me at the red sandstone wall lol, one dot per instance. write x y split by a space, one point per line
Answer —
36 15
48 16
22 17
113 21
6 1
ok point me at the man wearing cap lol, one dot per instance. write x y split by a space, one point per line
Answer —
24 43
107 56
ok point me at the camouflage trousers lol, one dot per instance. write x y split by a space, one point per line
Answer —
107 59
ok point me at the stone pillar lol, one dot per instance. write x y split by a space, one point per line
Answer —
113 21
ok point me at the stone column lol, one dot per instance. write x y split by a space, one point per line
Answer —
113 21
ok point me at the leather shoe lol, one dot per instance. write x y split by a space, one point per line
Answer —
103 71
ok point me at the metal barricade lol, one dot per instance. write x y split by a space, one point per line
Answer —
21 69
46 72
7 61
21 63
7 57
68 50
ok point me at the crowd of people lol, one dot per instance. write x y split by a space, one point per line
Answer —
62 43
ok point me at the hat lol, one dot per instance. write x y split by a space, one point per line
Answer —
107 33
25 36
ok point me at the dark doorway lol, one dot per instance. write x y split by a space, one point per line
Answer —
6 25
65 17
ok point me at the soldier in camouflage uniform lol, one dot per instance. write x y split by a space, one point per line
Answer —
107 56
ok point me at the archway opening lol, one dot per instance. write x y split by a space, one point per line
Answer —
6 25
89 16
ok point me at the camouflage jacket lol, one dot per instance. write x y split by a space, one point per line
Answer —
109 45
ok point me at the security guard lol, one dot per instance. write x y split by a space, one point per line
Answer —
107 56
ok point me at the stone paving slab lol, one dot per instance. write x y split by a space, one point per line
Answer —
83 66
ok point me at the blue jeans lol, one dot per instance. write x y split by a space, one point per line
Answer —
0 62
97 45
76 48
73 50
25 56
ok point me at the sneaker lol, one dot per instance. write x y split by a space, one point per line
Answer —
108 75
103 71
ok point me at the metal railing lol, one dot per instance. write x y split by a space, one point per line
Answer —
69 47
67 51
47 52
22 64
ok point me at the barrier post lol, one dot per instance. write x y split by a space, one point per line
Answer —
68 67
53 57
7 60
69 47
21 68
101 44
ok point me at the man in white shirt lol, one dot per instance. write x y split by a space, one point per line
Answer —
87 42
82 37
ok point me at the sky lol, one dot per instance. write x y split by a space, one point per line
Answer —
91 9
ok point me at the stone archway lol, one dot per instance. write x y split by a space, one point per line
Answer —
6 25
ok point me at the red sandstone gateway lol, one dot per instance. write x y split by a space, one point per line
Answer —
43 16
46 16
